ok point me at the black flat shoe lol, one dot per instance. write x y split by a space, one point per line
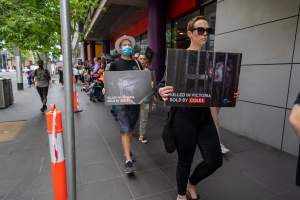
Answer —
188 196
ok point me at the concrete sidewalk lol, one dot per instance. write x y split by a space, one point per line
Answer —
251 171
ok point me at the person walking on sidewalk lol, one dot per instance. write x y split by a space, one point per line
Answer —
41 77
127 115
193 127
295 122
145 106
60 75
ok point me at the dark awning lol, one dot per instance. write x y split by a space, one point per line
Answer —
114 16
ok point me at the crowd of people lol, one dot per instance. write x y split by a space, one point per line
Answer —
193 127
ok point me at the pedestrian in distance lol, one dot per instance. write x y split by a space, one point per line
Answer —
145 106
60 75
41 77
29 74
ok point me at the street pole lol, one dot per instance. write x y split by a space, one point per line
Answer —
2 66
6 60
19 69
68 73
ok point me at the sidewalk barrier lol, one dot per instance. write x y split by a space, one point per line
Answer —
75 97
58 163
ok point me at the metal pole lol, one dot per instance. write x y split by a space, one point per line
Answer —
19 69
6 60
2 66
68 72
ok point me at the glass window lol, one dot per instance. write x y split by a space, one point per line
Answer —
141 43
181 38
138 40
144 42
209 11
169 35
178 37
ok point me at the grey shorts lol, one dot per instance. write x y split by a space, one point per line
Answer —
127 116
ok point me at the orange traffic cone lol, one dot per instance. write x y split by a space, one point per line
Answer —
75 97
58 163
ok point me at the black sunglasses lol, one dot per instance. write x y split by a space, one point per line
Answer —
201 30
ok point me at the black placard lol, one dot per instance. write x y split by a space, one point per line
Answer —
127 87
203 78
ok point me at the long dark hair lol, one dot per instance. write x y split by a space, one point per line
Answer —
40 64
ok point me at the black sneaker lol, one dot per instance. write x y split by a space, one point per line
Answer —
133 157
129 167
43 108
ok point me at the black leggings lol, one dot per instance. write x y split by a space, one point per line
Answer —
298 169
43 92
191 132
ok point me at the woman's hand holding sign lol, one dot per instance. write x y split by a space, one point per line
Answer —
165 92
237 94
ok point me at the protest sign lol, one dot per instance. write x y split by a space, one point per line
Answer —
202 78
127 87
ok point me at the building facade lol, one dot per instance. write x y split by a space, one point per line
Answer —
268 35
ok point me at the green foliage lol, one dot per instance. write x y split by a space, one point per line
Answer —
80 8
30 24
35 24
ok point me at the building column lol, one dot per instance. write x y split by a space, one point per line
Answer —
106 46
92 51
157 35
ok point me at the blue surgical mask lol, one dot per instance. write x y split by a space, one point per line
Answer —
127 51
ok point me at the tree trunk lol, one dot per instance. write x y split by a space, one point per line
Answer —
38 55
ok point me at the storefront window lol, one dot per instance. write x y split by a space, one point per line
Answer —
176 35
144 42
141 43
181 38
209 11
170 35
138 40
137 47
169 39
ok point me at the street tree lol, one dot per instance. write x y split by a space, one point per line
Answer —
35 24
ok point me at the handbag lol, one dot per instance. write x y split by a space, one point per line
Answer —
168 135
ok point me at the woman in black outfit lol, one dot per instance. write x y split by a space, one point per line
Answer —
194 127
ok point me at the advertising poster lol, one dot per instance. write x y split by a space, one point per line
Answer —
202 78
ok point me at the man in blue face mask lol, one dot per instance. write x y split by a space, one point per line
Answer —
127 115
